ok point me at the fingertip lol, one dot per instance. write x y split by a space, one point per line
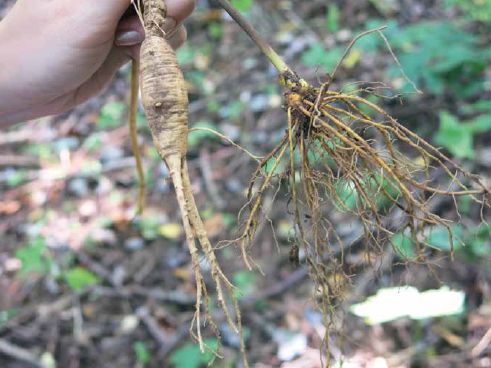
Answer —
129 32
180 9
130 24
178 37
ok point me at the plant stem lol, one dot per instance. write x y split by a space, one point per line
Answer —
135 70
283 69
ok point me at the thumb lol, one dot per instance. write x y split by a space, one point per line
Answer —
119 6
110 10
96 83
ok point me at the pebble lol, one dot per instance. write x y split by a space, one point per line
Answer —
118 275
103 236
111 153
259 103
134 244
69 143
234 185
174 257
229 337
78 187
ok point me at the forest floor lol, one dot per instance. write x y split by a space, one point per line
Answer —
83 284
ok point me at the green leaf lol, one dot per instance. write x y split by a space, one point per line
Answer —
141 352
189 355
451 57
475 9
242 5
93 143
185 55
368 44
16 177
111 116
33 258
439 237
348 196
78 278
382 191
244 281
272 164
455 136
213 106
386 7
42 150
215 30
149 227
233 110
196 78
7 314
479 107
481 124
317 56
479 241
228 219
332 18
403 245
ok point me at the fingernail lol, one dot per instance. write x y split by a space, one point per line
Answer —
129 38
169 25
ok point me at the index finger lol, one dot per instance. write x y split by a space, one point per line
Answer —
178 10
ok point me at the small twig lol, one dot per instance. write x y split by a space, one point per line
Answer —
16 137
78 320
18 161
42 312
118 165
153 327
396 60
45 311
96 268
175 297
482 345
228 140
135 70
147 269
177 338
167 342
18 353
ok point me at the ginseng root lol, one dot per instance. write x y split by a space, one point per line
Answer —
344 160
165 103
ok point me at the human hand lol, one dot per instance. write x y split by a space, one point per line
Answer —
57 54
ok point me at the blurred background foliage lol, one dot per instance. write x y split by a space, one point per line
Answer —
83 282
